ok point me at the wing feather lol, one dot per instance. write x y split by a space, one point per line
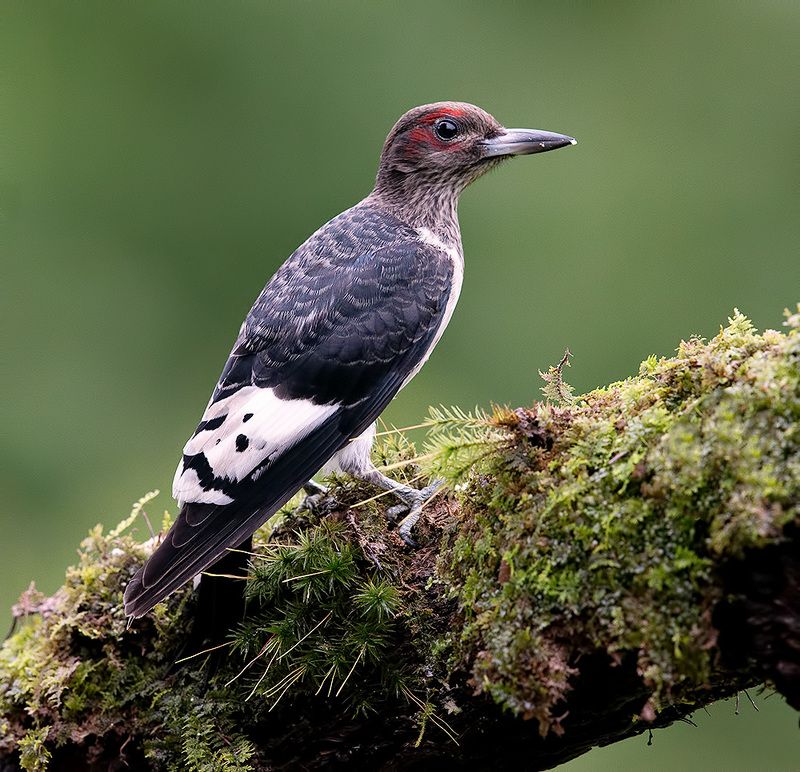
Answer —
327 345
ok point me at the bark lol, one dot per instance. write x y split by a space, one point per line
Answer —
599 567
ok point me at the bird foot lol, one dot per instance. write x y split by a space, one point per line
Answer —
392 513
316 495
413 501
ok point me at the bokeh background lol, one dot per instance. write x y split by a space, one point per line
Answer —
159 160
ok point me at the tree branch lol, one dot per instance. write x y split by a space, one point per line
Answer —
600 567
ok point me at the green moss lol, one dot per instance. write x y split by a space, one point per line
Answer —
325 621
211 744
605 535
33 753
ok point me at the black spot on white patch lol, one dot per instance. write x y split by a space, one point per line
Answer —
241 443
247 417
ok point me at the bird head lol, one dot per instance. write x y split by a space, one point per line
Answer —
450 144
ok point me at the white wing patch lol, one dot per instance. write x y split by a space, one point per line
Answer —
186 487
243 431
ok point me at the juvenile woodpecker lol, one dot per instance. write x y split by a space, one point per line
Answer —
344 324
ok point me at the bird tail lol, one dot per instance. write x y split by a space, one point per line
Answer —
200 536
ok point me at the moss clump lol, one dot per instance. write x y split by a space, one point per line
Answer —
33 753
323 622
74 673
600 524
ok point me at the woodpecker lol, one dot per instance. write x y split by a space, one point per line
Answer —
344 324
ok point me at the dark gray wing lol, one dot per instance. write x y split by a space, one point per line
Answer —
328 343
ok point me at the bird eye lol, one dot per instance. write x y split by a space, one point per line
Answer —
446 129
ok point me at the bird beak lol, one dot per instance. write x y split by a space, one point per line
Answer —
524 142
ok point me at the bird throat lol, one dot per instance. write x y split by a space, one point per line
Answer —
422 203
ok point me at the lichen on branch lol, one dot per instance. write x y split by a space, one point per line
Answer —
596 567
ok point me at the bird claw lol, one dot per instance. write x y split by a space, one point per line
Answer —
317 495
312 487
394 512
312 504
414 511
409 542
426 493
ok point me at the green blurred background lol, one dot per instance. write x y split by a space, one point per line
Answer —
159 160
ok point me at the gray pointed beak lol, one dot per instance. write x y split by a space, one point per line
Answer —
524 142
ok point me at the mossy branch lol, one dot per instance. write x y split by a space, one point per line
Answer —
601 565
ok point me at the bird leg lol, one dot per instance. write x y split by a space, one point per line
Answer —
315 493
413 500
354 459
